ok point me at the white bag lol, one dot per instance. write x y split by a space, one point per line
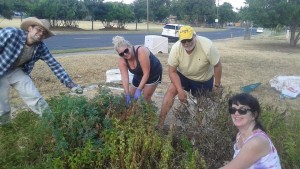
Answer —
114 75
287 85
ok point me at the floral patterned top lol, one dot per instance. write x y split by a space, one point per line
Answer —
270 161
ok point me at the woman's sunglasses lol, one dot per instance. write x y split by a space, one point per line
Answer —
186 40
123 53
241 111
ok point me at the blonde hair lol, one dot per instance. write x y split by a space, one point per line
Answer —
120 41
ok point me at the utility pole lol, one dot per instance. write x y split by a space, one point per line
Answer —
147 15
218 10
217 20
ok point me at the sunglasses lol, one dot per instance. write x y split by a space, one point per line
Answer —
186 40
124 52
241 111
40 30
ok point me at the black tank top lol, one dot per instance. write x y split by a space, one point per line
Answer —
155 65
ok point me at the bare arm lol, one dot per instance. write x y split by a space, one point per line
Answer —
252 151
144 59
218 73
177 83
124 75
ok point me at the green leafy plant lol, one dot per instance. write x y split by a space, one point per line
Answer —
283 127
24 142
103 133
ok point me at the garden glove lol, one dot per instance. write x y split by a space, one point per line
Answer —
75 88
137 94
128 99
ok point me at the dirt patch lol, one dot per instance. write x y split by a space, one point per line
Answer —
244 62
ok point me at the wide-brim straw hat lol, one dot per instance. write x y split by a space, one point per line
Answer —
33 21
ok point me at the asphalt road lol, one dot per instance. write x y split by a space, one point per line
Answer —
73 41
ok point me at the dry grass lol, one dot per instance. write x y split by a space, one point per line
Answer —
259 60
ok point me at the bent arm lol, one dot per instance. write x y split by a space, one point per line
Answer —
251 152
144 59
124 75
218 74
177 83
174 77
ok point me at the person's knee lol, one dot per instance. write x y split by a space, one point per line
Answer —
148 97
38 105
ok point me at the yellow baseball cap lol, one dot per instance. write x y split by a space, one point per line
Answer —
186 32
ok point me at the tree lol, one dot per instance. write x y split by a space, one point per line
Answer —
6 9
21 6
174 6
270 13
116 11
140 9
159 9
226 13
123 14
195 11
61 12
94 7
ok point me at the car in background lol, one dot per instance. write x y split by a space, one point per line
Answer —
259 30
171 31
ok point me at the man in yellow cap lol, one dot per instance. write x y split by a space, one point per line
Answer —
19 50
194 66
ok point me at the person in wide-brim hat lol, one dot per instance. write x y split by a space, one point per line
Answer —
32 21
20 49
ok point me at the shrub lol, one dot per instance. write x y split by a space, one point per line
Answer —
74 121
207 125
284 127
104 133
25 142
209 128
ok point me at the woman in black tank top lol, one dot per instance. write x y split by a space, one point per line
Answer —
144 65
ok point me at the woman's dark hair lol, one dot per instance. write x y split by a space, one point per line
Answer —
252 102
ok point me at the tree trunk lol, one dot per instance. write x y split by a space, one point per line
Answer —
92 23
247 31
136 23
294 38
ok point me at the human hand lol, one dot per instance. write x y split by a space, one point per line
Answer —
128 101
137 94
182 96
217 89
77 89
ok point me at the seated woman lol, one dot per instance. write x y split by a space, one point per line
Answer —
253 147
145 67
